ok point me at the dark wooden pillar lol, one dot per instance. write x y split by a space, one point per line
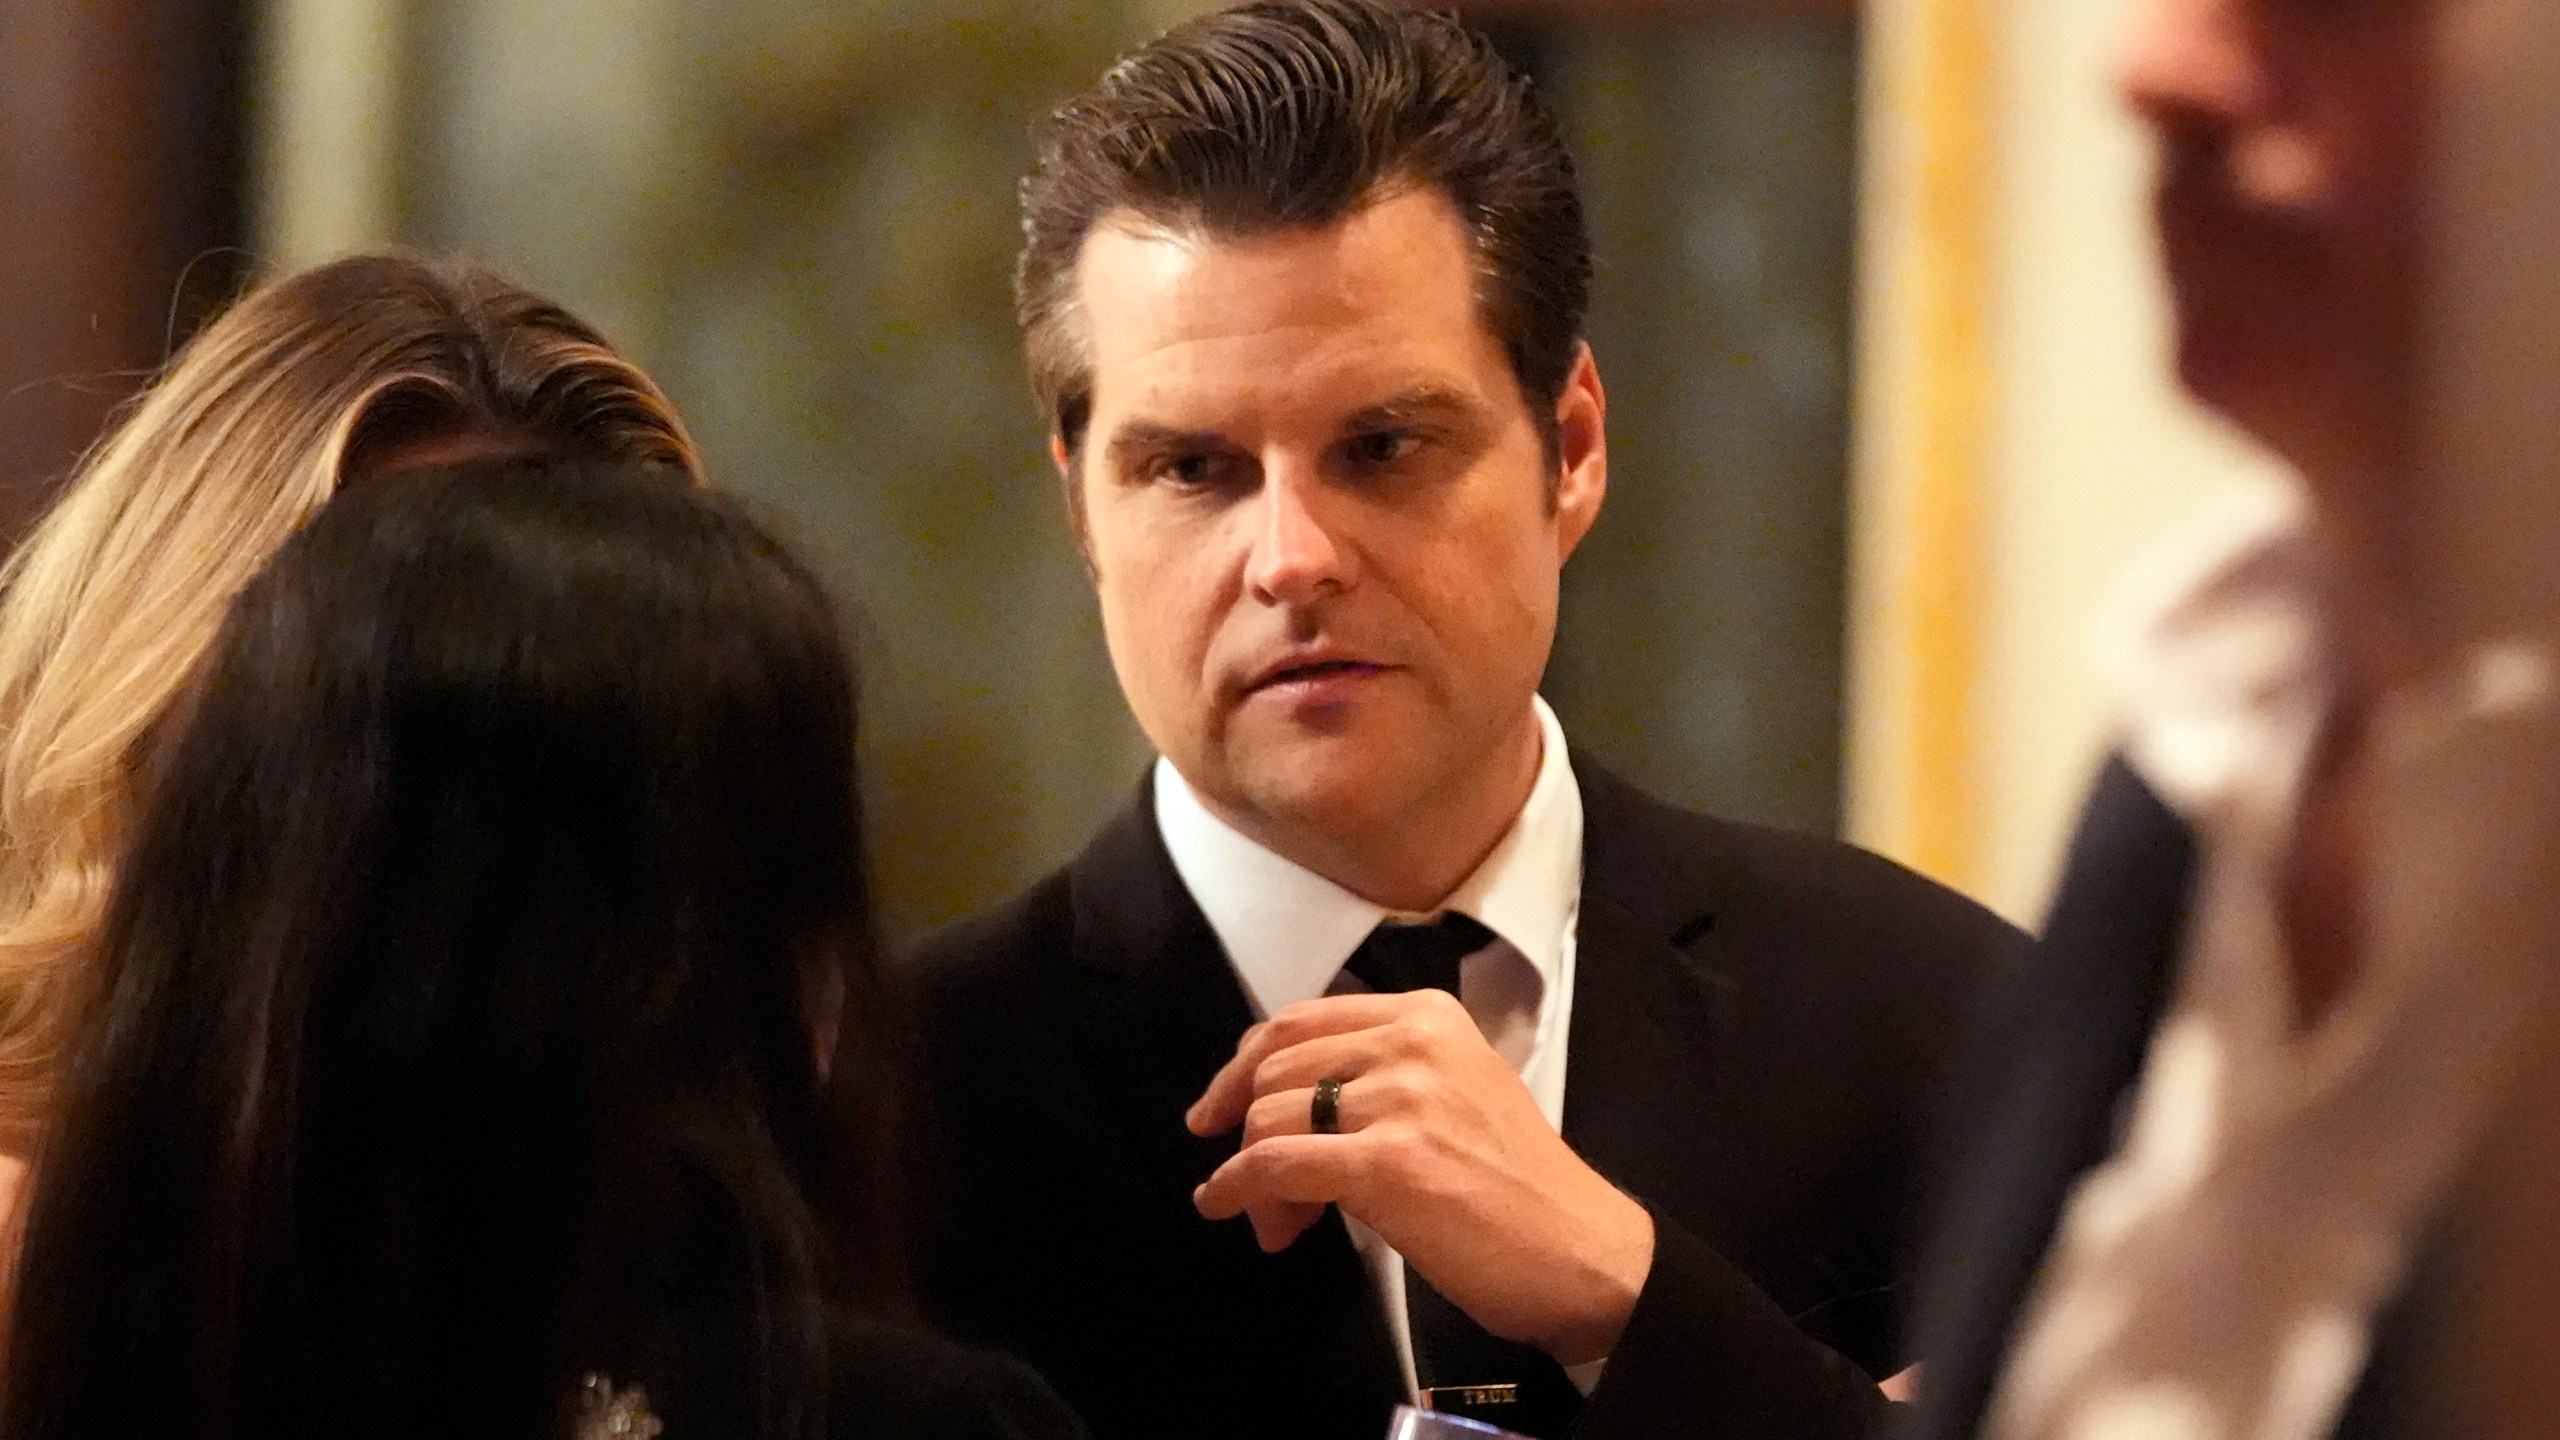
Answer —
121 212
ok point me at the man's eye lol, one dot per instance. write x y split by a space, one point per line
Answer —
1383 447
1196 469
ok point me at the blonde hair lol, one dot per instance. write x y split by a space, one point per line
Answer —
311 382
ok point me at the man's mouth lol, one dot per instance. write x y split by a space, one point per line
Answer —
2220 195
1315 672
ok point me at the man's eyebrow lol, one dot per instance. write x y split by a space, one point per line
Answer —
1147 436
1421 403
1424 402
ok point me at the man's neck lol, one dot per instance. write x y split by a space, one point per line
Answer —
2433 539
1415 860
2359 480
2369 605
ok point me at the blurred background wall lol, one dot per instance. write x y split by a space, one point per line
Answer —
799 215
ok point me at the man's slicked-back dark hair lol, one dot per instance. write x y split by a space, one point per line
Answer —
1287 114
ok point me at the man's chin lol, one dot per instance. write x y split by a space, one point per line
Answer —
2236 376
2290 404
1335 801
1328 786
2272 368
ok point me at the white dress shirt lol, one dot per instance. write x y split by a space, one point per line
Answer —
2218 1277
1288 931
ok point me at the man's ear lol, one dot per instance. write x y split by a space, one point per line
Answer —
1582 453
1071 488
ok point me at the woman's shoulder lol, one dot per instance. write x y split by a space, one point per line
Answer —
894 1382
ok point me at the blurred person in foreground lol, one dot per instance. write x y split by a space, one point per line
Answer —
328 377
455 1055
2305 930
1303 293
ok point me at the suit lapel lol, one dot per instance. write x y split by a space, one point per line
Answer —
1644 1012
1162 1010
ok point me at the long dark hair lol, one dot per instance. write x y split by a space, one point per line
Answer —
453 1033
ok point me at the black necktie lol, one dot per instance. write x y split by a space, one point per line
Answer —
1464 1370
1396 958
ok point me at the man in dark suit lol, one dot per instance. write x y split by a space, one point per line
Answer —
1303 291
2229 1115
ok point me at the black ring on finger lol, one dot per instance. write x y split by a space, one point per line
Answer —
1324 1108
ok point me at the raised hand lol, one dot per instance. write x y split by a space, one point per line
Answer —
1441 1150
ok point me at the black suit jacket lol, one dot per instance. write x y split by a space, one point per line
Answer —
1758 1025
2059 1057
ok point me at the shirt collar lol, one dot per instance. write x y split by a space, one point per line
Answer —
1288 930
2217 652
2223 658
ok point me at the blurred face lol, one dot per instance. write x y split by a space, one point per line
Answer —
1325 533
2292 144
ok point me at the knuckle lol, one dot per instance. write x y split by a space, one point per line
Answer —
1264 1118
1388 1092
1293 1022
1281 1155
1427 1091
1415 1034
1391 1156
1244 1170
1275 1162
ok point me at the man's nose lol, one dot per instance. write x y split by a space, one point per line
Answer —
1297 554
2192 64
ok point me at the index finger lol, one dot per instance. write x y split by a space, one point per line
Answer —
1222 1105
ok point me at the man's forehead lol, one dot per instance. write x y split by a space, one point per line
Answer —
1407 252
1382 301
